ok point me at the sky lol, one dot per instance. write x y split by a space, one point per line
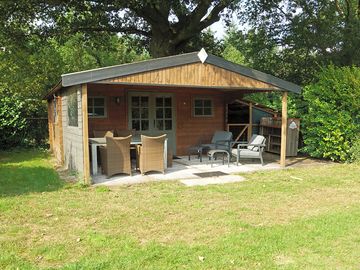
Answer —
219 29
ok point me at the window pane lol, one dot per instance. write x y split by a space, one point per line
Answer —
198 111
207 103
99 112
135 101
168 113
90 110
99 102
90 102
136 124
73 109
168 102
135 113
160 124
168 124
159 113
144 101
144 124
144 113
159 102
198 103
207 111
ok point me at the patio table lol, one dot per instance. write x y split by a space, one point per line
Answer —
96 142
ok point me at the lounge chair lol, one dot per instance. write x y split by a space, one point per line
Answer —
115 156
253 149
221 140
151 154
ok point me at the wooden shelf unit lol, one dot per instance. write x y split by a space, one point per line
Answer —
270 128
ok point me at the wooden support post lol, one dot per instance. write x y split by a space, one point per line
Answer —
84 109
250 130
283 130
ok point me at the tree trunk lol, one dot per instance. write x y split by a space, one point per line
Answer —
160 47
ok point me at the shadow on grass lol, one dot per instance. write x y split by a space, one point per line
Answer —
28 171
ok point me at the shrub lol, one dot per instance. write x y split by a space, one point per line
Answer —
23 121
332 121
12 120
355 151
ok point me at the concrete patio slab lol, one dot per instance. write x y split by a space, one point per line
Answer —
212 180
183 169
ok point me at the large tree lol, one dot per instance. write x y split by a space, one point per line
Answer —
168 26
328 30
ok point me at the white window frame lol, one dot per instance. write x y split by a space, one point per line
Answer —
93 107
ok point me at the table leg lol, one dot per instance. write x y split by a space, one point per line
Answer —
94 159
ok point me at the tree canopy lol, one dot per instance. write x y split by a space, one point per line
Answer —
167 26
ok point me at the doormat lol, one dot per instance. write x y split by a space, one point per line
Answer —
210 174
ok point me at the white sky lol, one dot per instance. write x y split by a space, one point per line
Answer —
219 29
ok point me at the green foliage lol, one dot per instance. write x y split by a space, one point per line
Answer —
12 120
21 123
30 70
232 54
332 122
355 150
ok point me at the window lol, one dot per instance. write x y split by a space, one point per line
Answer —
73 109
140 113
203 107
163 113
96 107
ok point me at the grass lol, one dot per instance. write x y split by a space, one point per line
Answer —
305 218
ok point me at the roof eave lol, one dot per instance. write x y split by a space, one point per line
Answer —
252 73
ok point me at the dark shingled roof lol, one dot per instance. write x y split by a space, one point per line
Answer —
98 74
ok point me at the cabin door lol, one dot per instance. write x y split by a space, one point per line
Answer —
153 114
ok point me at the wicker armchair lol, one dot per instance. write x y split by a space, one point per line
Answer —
103 133
151 154
115 156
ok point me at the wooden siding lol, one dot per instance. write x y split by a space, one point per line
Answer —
197 74
116 114
55 129
189 129
72 136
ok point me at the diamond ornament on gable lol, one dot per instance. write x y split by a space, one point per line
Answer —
202 55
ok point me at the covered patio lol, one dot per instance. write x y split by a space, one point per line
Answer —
183 96
195 173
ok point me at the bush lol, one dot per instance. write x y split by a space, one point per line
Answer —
12 120
23 122
355 151
332 121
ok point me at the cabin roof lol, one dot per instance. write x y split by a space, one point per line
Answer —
104 73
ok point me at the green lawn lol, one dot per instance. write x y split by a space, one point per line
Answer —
292 219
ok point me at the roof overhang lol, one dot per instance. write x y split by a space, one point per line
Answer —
95 75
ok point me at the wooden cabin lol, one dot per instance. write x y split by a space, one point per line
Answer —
184 96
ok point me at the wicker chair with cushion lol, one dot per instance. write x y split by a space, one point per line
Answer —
151 154
115 156
103 133
253 149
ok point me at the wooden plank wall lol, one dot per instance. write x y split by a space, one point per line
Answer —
72 136
189 129
56 130
116 117
197 74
